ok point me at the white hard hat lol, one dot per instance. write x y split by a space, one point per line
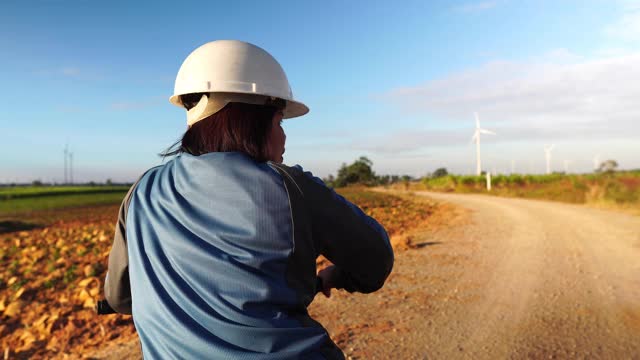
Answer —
232 71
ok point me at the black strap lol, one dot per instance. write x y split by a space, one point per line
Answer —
103 308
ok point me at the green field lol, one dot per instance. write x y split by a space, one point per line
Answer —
20 200
37 191
620 188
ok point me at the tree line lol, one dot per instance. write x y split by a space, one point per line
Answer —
361 172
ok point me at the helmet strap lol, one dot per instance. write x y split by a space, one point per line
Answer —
211 103
206 107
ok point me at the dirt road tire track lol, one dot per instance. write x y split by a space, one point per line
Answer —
538 280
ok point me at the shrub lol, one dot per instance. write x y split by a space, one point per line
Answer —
578 184
445 183
619 193
517 179
499 180
470 180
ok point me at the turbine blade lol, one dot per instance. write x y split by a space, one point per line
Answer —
477 120
485 131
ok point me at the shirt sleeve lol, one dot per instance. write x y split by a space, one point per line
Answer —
354 242
117 289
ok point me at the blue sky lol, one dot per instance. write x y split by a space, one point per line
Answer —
395 81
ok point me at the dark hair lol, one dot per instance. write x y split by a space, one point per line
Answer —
237 127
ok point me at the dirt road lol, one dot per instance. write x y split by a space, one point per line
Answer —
517 279
507 279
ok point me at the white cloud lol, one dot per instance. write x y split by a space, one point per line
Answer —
408 143
627 28
556 98
476 6
550 92
70 71
630 5
614 52
138 104
71 109
128 105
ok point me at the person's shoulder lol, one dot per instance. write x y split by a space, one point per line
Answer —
147 176
292 170
298 173
297 168
151 171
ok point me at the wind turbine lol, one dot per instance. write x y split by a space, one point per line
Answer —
476 137
71 167
547 154
66 158
596 162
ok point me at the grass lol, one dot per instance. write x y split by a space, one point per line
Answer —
395 213
364 198
16 192
617 189
20 205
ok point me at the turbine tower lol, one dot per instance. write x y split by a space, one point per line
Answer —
596 162
71 168
66 157
476 137
547 154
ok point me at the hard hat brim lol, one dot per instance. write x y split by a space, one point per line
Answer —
293 109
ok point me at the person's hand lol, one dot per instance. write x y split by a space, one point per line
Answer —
327 276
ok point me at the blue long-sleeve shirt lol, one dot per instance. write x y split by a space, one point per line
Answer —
215 258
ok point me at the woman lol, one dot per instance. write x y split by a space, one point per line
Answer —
215 251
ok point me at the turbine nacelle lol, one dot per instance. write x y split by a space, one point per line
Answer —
480 130
548 148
